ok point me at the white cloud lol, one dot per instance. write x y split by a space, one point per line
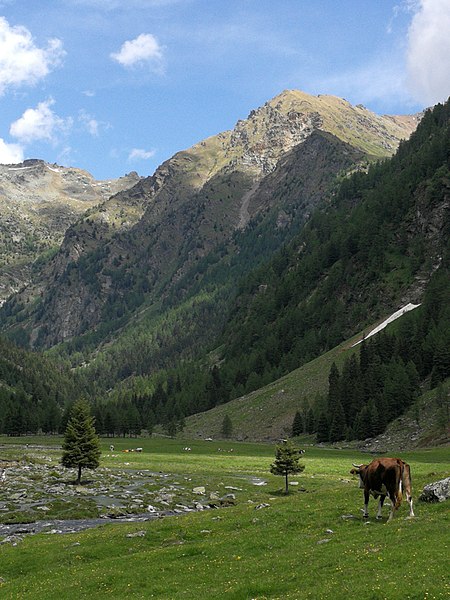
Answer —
139 154
143 49
429 51
21 61
10 153
89 123
381 81
40 123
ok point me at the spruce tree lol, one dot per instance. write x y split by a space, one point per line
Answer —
227 426
322 428
286 461
297 425
81 447
338 427
310 421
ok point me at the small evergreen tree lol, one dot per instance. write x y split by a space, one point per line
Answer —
323 430
227 426
337 428
310 421
81 448
286 461
297 425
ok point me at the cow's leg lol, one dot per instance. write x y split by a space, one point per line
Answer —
366 504
395 503
380 506
410 502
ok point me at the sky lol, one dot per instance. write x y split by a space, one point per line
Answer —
114 86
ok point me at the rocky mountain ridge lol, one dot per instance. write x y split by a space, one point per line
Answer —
39 202
193 203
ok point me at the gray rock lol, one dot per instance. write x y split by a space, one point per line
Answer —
199 490
12 539
438 491
136 534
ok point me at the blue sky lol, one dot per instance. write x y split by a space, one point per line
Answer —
113 86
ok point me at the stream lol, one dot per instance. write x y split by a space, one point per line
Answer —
61 526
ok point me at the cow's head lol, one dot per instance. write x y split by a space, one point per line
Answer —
361 471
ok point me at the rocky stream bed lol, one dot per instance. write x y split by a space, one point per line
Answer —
41 497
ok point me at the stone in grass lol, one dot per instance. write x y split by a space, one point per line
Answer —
438 491
199 490
12 539
325 541
136 534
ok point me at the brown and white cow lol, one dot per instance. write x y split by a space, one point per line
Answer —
385 477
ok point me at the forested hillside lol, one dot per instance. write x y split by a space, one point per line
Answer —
111 267
382 242
378 240
34 391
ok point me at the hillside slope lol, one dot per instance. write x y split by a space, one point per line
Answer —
39 202
268 414
194 203
380 243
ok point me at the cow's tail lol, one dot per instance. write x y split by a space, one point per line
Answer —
399 486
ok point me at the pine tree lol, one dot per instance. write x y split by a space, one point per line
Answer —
322 428
310 421
81 447
297 425
286 461
338 427
227 426
333 387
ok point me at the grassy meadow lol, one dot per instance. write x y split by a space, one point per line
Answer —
266 546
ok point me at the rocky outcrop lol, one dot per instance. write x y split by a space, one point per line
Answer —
439 491
154 233
39 202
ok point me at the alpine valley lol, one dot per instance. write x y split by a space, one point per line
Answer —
217 295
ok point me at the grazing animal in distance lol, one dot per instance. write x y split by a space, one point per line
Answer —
385 477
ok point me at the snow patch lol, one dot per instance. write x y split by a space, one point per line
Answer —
52 169
386 322
19 168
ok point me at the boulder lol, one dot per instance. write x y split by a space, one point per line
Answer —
437 491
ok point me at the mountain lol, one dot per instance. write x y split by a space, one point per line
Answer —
196 203
39 202
218 290
379 242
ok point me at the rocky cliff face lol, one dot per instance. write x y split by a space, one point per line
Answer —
138 241
39 202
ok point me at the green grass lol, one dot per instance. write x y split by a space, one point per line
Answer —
240 552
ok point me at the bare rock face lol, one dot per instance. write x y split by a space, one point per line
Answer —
156 231
439 491
39 202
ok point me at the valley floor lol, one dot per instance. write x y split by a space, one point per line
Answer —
312 543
